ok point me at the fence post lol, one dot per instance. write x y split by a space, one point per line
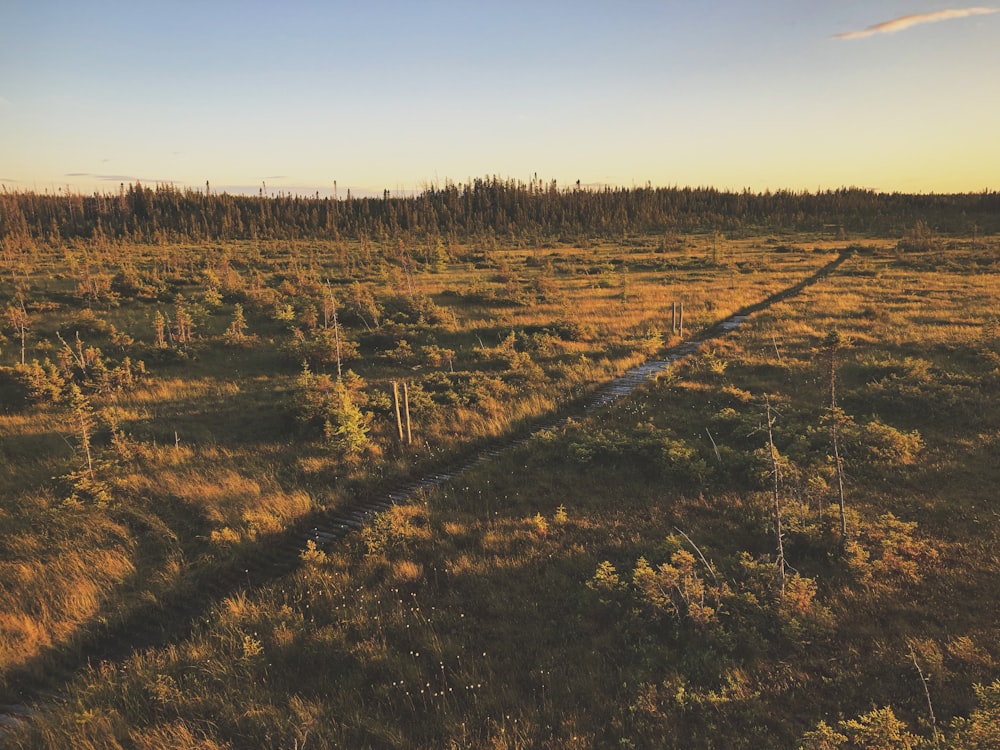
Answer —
395 400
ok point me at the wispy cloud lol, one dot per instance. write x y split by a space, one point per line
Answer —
905 22
115 177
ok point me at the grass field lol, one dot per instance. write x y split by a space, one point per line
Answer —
616 582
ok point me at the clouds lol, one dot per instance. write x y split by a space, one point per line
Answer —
905 22
116 178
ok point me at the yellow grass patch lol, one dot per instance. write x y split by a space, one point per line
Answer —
43 601
407 571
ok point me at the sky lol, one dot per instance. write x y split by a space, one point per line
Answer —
302 95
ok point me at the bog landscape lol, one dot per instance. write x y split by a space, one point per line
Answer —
499 465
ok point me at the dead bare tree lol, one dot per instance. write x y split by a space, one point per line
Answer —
18 319
836 417
776 493
406 410
927 694
83 418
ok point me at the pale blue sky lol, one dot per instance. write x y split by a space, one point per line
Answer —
395 95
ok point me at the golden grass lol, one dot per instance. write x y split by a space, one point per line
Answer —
174 734
44 601
222 495
36 422
491 564
407 571
165 390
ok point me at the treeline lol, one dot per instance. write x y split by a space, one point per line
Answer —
483 208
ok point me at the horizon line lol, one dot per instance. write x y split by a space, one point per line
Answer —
361 191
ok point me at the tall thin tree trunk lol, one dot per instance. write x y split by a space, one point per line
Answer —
84 422
23 321
776 495
406 407
833 341
336 336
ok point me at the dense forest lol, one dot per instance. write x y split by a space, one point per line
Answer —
485 208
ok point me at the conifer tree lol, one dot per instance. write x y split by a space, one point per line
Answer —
159 331
237 331
346 428
183 322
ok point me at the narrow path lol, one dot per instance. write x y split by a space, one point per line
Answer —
281 553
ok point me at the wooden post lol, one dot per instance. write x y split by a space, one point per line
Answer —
395 399
680 320
406 406
673 317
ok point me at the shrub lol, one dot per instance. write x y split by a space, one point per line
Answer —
333 403
887 551
981 730
44 383
890 446
321 347
606 580
676 590
878 729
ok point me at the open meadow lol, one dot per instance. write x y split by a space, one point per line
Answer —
789 538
